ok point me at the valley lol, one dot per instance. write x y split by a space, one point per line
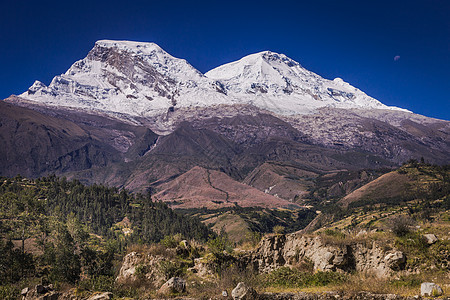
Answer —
133 167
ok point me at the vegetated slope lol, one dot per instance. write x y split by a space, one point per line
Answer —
200 187
418 189
96 206
54 230
307 185
392 185
411 181
283 179
145 117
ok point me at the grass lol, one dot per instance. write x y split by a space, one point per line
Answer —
287 277
406 285
355 283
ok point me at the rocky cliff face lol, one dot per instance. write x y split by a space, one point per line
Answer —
287 250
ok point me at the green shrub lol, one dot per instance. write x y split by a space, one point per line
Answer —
170 269
400 225
101 283
141 271
407 281
169 241
278 229
9 292
220 244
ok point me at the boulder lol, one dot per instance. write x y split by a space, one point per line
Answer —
24 291
102 296
173 285
129 264
430 238
395 260
148 265
202 268
242 291
430 289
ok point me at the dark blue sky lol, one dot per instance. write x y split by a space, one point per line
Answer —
354 40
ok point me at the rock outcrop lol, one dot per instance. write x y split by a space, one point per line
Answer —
40 292
430 289
137 266
173 285
243 292
101 296
430 238
285 250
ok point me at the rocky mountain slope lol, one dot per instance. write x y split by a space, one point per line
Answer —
131 115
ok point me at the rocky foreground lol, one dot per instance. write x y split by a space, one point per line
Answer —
241 291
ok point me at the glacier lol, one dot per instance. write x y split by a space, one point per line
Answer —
140 79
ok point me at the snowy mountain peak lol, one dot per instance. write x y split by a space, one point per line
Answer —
280 84
142 80
130 46
137 79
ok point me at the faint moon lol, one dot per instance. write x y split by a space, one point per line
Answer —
396 58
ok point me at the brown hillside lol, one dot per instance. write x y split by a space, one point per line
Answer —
200 187
281 179
390 185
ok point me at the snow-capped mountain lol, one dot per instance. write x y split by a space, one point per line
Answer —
277 83
137 79
130 114
142 80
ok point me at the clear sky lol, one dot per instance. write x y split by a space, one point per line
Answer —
396 51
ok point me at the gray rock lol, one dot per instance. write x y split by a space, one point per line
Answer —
224 293
102 296
430 289
328 257
242 291
430 238
25 291
395 260
173 285
289 249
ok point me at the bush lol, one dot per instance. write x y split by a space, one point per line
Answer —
229 277
170 269
407 281
100 283
278 229
171 241
220 244
9 292
400 225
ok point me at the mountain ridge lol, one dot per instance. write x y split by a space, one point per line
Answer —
142 80
154 117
